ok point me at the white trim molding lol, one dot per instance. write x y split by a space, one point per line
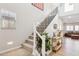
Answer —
2 52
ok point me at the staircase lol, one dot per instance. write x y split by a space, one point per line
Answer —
41 28
28 44
38 30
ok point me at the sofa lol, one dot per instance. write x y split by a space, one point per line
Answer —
73 35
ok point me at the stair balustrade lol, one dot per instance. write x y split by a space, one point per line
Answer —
38 30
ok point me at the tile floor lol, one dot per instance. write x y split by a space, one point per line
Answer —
17 52
69 48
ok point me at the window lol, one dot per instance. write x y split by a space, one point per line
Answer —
7 20
76 27
69 28
7 23
4 24
68 7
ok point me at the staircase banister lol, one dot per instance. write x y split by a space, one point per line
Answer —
54 11
51 12
43 43
39 35
36 31
38 23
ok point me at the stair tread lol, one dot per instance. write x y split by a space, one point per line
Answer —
27 45
31 37
29 41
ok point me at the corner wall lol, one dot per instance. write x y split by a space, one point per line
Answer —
50 28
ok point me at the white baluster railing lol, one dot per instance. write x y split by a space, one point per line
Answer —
35 52
43 52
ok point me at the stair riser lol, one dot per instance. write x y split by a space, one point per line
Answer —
27 48
29 42
31 37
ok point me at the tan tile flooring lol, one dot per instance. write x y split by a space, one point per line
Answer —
66 50
17 52
24 52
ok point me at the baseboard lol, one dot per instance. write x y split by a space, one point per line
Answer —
2 52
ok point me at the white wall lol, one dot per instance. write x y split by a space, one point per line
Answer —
50 28
26 15
50 7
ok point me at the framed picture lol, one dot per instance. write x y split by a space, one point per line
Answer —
39 5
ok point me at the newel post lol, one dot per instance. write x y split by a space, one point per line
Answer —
34 39
43 46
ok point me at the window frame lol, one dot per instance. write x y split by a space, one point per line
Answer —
71 27
68 7
8 25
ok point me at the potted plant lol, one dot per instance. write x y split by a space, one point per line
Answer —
47 41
